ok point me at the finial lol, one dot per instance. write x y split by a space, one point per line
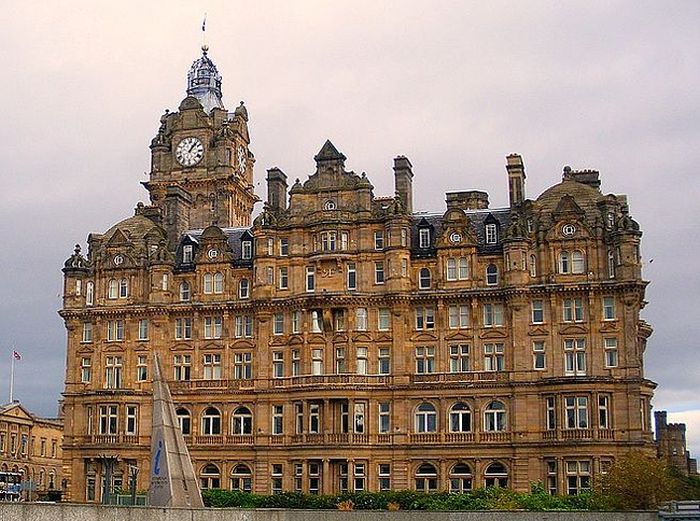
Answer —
205 48
77 249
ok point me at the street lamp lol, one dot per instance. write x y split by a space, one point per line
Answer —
133 475
108 462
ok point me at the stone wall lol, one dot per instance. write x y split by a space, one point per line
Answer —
70 512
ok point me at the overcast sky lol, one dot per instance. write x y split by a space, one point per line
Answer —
455 86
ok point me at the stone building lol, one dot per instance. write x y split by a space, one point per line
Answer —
31 445
671 444
343 341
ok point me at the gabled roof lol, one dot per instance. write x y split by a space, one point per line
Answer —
328 152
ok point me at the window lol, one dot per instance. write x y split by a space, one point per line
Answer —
537 311
187 254
243 365
577 262
379 273
328 241
426 418
424 238
424 278
610 345
131 427
213 327
284 246
85 371
242 422
458 317
608 308
426 478
575 357
184 291
87 332
463 273
112 289
270 246
578 477
378 240
361 319
573 310
143 329
208 283
113 372
460 479
183 328
314 418
164 282
576 410
359 418
210 477
425 360
495 417
384 476
123 288
278 364
384 360
352 276
384 319
246 250
496 475
298 471
218 283
212 366
361 363
404 237
278 419
564 262
404 267
551 477
550 413
211 422
182 365
339 319
141 368
283 278
344 240
278 324
340 365
533 266
459 358
538 355
451 269
460 418
314 477
611 264
425 318
493 315
384 415
310 278
242 478
296 321
244 326
603 411
115 330
108 419
317 321
491 275
296 362
244 289
276 479
491 234
317 361
89 293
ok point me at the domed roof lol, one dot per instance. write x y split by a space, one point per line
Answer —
135 227
585 196
204 82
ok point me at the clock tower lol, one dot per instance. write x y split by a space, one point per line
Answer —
201 164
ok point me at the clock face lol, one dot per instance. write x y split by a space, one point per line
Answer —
568 230
456 237
118 260
189 151
213 254
242 160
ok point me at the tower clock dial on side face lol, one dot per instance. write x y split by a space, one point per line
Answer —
242 160
189 151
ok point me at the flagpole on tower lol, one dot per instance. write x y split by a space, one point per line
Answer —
204 31
12 375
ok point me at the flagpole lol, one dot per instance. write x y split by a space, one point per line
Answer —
12 375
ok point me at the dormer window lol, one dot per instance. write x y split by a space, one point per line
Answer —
187 254
424 238
491 234
247 250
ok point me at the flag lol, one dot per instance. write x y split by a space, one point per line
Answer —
204 23
17 355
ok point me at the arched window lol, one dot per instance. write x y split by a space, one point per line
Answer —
208 283
426 478
184 420
42 474
241 478
184 291
564 262
496 475
491 275
244 288
52 480
495 417
460 418
460 478
123 288
424 279
426 418
211 422
112 289
210 477
89 293
218 283
533 266
242 421
577 262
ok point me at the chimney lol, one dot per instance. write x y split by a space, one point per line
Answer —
177 213
276 189
403 182
516 179
467 200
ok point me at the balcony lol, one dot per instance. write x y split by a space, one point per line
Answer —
578 434
459 437
109 439
190 385
331 379
473 376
